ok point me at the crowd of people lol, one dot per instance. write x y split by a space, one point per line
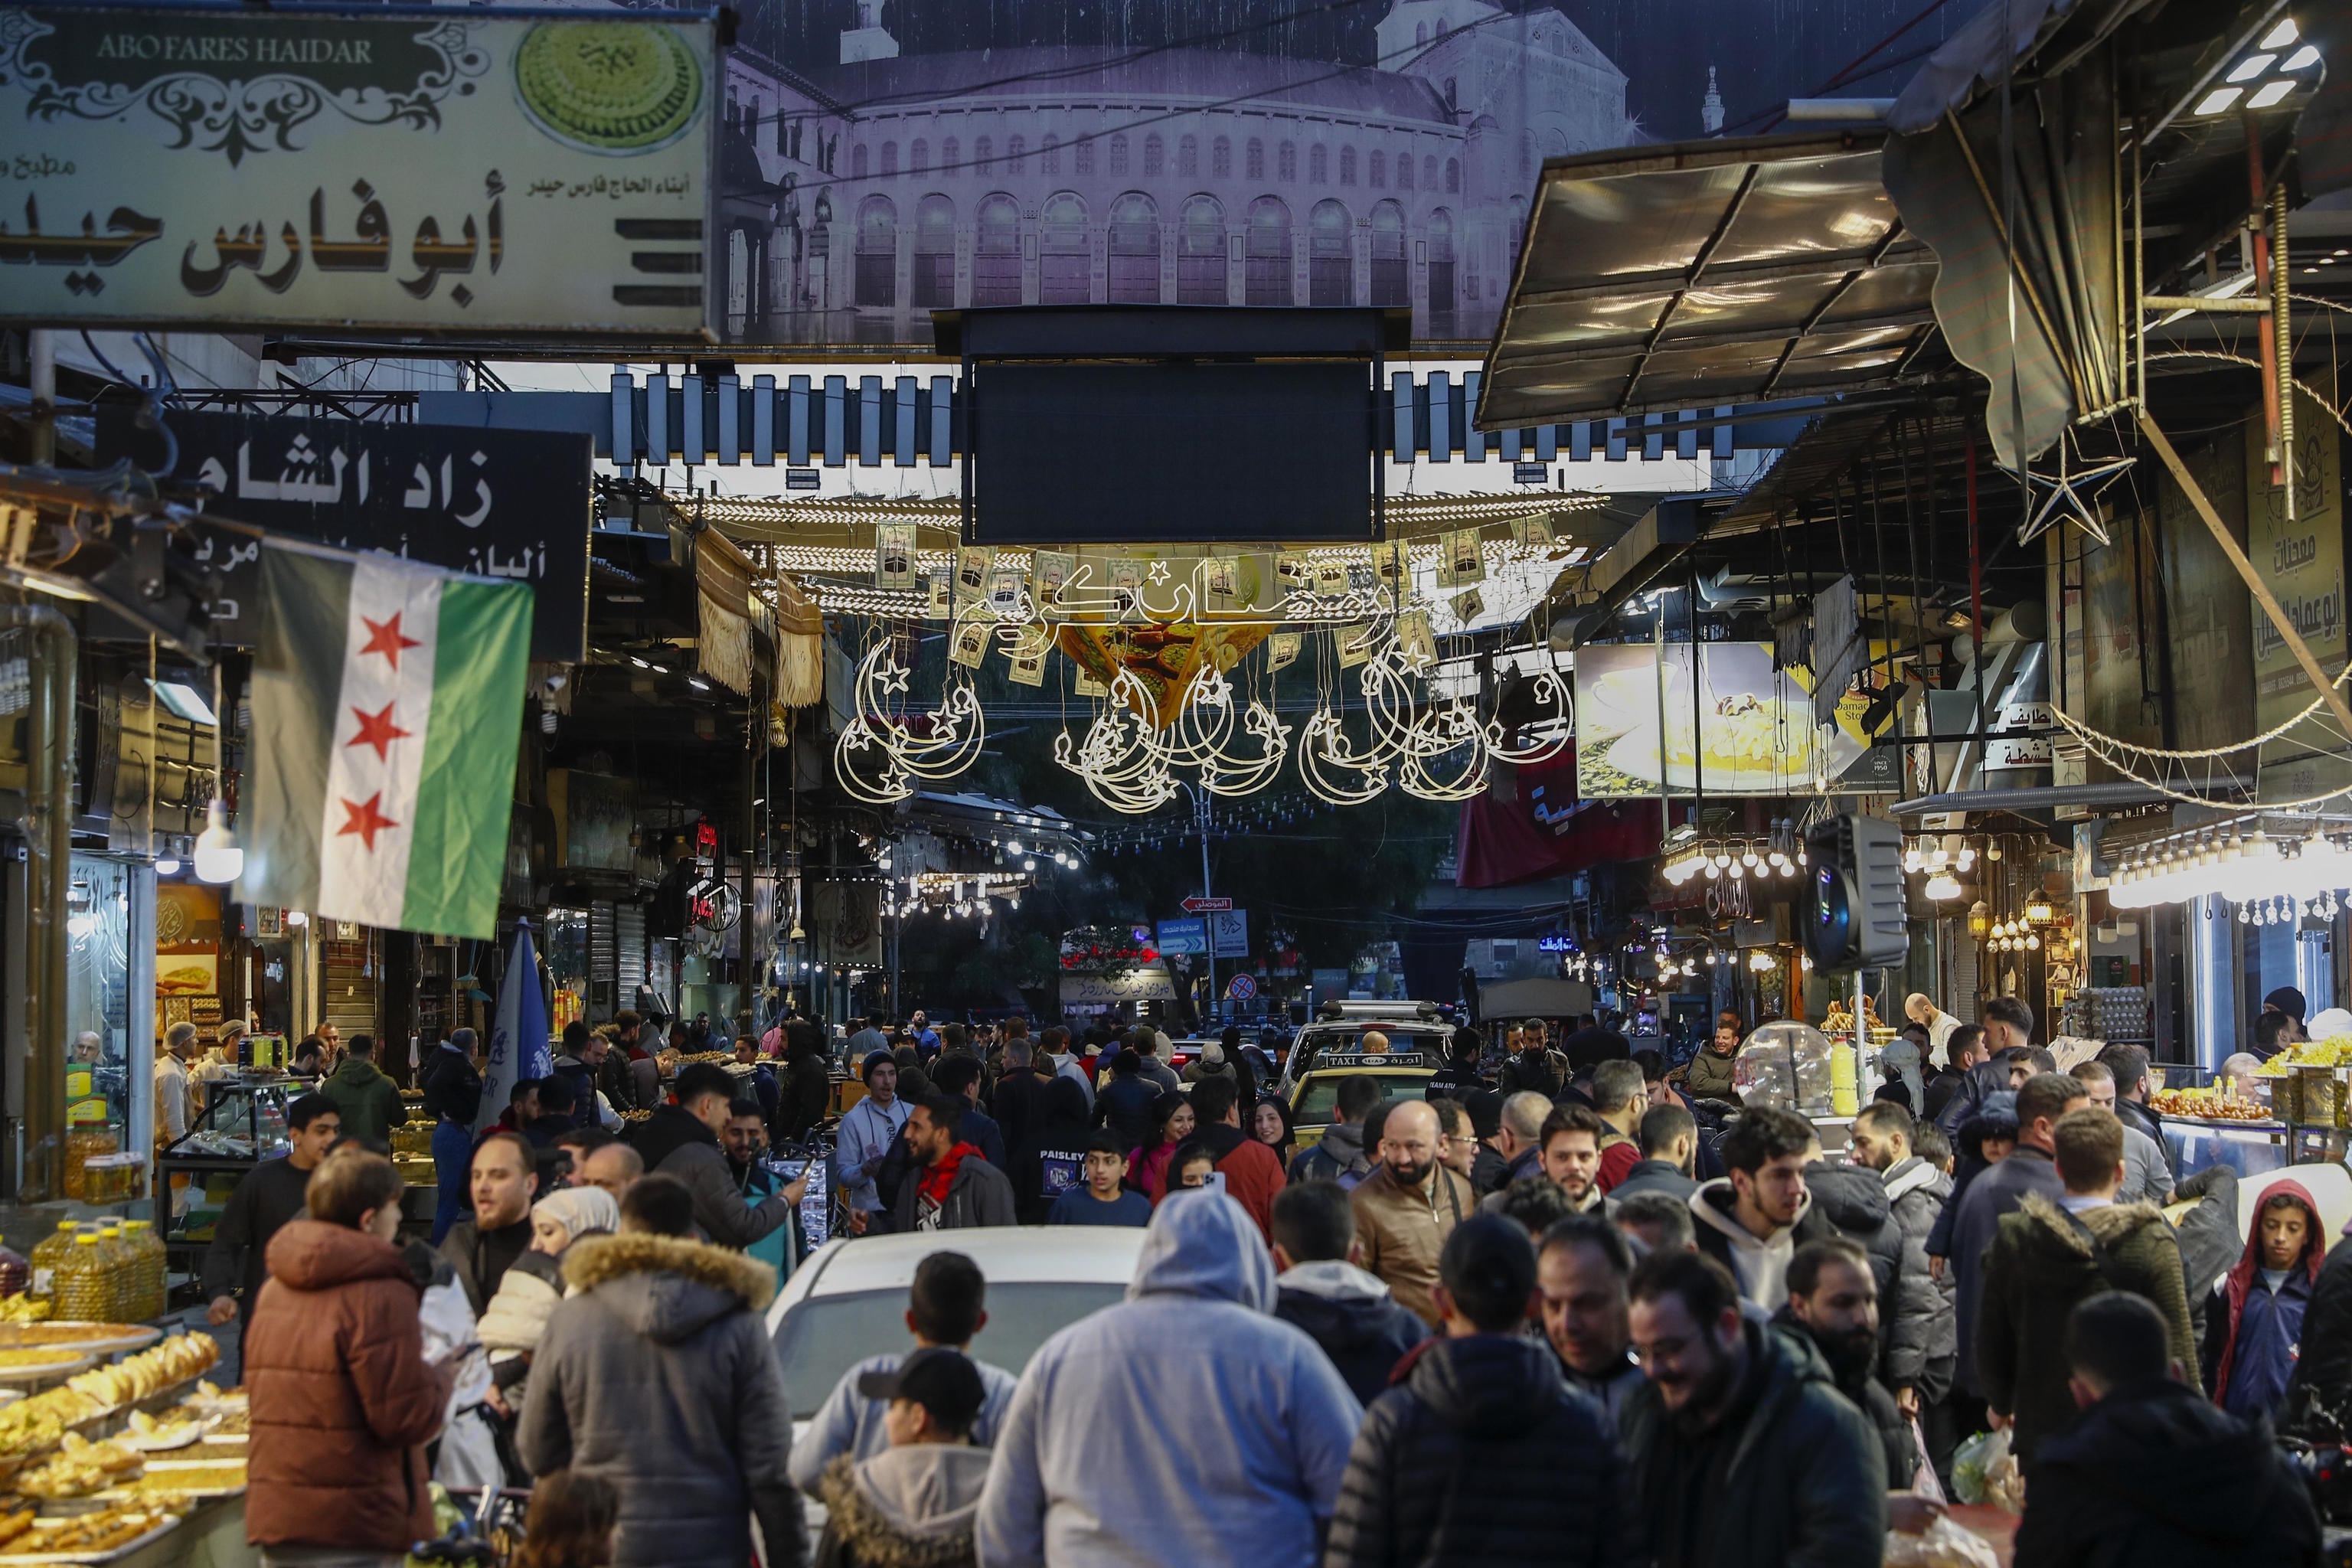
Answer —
1578 1307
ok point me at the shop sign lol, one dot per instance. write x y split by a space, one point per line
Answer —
1555 942
1123 985
1184 937
2301 560
442 170
493 503
2017 750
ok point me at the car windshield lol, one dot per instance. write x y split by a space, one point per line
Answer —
824 1336
1314 1108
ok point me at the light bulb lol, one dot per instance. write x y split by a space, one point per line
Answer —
297 919
1012 846
218 858
1748 856
167 864
1712 873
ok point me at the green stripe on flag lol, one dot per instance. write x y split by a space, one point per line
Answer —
298 676
458 853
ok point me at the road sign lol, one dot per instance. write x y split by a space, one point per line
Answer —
1197 905
1242 988
1187 938
1230 931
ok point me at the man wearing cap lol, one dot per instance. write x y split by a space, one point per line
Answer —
915 1501
866 1133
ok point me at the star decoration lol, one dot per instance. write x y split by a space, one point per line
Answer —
384 638
2072 496
1159 572
377 730
893 677
365 818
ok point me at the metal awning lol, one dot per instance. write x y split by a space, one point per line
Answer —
1702 273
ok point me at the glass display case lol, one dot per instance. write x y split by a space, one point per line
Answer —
1794 1066
242 1124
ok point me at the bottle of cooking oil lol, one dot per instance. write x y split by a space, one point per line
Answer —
122 1265
149 1299
46 1253
81 1281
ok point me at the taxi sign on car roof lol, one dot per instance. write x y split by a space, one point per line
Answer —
1403 1060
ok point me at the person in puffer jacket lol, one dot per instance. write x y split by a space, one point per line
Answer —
1321 1292
913 1504
1853 1199
517 1316
1480 1454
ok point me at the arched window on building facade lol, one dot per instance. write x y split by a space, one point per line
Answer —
1220 158
1319 164
1085 158
1429 173
877 252
1253 160
859 165
951 157
1440 274
1376 169
1017 152
1331 269
1064 269
1049 154
1392 285
1454 176
1286 162
996 252
983 156
919 157
1155 156
1266 276
889 159
1347 165
933 285
1118 157
1404 171
1188 155
1134 246
1201 253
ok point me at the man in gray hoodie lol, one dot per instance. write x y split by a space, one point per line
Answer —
1119 1450
1340 1156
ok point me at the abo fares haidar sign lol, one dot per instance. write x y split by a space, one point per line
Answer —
458 171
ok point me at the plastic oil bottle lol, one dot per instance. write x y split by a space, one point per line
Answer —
81 1281
121 1284
48 1253
149 1299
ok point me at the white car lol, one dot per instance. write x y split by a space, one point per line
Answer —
849 1301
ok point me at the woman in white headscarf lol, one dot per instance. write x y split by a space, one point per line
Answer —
517 1316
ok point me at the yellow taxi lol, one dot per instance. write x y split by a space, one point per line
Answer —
1402 1074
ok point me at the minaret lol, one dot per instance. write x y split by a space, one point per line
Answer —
1710 108
870 40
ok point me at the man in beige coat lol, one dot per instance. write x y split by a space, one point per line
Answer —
1408 1206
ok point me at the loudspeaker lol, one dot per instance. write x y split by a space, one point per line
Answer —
1855 919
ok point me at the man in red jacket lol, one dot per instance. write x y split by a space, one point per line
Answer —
1252 1173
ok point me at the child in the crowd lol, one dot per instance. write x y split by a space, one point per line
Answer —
914 1502
2253 1321
570 1524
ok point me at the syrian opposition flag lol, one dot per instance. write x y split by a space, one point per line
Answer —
387 708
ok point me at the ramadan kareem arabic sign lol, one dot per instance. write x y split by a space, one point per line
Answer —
449 170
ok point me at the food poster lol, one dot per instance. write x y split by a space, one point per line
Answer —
1636 709
188 952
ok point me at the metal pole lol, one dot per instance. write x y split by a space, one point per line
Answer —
1200 802
35 1081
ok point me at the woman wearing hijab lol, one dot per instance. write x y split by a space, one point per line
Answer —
517 1316
1147 1165
1271 1125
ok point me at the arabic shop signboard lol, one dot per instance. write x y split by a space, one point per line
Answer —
441 171
497 503
2301 558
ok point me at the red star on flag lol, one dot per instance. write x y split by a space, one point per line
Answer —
377 730
384 638
363 818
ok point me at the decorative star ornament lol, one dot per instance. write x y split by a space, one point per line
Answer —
1159 571
893 677
2072 495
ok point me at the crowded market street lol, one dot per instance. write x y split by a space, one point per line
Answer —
1323 783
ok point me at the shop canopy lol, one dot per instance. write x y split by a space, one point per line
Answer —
1708 273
